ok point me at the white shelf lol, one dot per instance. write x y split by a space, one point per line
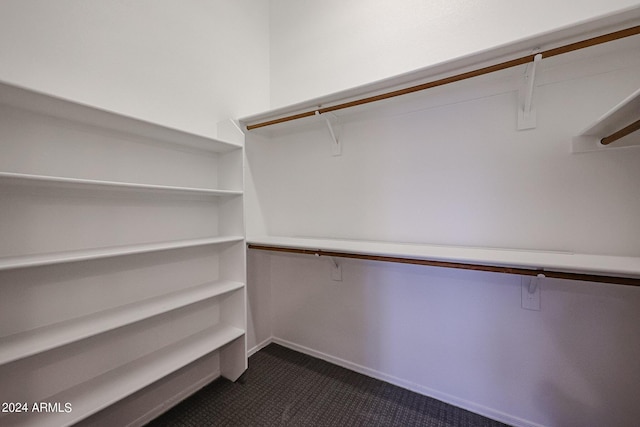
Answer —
554 261
42 339
38 102
104 390
8 263
38 121
623 114
55 181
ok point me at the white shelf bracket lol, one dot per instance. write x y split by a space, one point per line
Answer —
336 270
229 130
534 283
531 292
333 124
526 110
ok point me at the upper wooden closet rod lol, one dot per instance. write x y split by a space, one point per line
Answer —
463 76
621 133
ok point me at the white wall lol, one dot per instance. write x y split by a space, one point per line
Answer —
462 337
186 64
448 166
460 173
324 47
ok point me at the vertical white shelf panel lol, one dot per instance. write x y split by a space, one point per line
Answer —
121 235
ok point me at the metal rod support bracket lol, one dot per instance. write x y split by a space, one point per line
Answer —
535 282
333 125
526 109
336 270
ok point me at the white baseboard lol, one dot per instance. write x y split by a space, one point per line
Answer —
259 346
173 401
444 397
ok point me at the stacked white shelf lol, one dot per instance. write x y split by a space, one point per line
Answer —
29 343
56 181
122 259
36 260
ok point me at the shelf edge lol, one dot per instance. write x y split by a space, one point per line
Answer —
367 251
118 185
28 338
18 96
27 261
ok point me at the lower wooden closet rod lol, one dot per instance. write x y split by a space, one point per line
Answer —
616 280
463 76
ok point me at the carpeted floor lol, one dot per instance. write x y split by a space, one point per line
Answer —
286 388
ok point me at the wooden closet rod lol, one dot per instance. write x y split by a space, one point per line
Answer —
463 76
621 133
616 280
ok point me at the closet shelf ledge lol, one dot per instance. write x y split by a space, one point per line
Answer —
598 268
36 260
16 96
58 181
39 340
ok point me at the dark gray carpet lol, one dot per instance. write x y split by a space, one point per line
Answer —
286 388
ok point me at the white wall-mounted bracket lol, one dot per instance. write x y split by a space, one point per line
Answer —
526 109
333 124
336 270
530 292
230 130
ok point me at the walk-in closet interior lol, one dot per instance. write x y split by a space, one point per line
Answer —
441 195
